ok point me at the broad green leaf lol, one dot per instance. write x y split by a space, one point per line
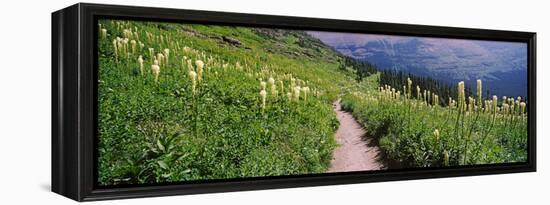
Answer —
160 146
162 164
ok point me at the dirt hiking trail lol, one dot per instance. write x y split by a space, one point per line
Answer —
353 153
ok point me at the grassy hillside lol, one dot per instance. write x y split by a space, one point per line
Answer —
155 127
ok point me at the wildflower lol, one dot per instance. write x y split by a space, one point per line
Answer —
471 103
125 45
133 43
297 93
200 66
289 96
140 61
436 135
190 65
506 108
149 35
156 71
418 92
495 102
238 66
160 58
103 33
272 85
263 94
167 54
409 83
305 90
461 90
479 92
193 77
397 95
186 49
151 53
224 66
425 97
115 48
461 95
183 62
127 33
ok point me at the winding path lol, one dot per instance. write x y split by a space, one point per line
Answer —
353 152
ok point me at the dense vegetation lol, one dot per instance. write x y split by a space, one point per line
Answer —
181 102
414 130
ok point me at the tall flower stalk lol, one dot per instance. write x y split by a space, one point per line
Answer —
409 85
156 71
151 54
140 61
271 82
445 158
200 67
473 108
263 95
103 33
193 78
461 109
297 90
166 55
305 90
115 50
479 93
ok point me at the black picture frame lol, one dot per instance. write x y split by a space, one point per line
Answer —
74 77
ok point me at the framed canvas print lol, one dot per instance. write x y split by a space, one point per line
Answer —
155 102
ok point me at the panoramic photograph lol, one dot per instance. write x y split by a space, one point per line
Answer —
184 102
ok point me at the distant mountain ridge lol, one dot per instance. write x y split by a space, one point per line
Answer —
501 65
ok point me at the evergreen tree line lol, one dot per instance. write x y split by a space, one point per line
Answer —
398 79
362 69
